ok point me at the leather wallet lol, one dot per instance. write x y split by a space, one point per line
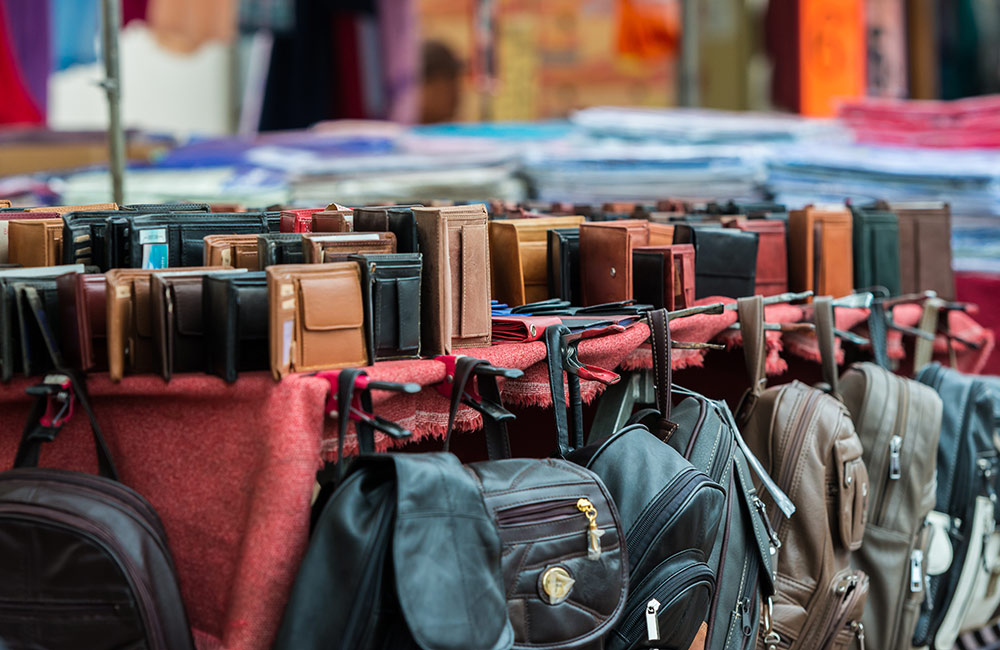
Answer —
5 220
234 318
391 287
131 347
772 252
397 219
35 242
4 204
664 276
280 248
333 219
317 317
176 311
66 209
83 320
925 247
563 260
820 256
157 241
334 247
606 256
455 292
22 345
876 249
297 220
237 251
518 250
725 259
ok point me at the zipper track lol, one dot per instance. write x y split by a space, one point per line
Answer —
717 596
108 542
702 414
543 512
790 458
677 583
660 512
903 406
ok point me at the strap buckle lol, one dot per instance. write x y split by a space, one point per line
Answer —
59 397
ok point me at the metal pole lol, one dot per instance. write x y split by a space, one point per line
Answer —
687 77
112 18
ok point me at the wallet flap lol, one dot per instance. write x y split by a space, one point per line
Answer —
473 312
331 302
187 307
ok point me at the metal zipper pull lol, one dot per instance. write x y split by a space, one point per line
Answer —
593 532
771 533
652 623
895 469
746 620
916 571
859 632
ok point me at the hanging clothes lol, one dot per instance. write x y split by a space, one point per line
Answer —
133 10
398 38
76 28
17 106
185 25
28 33
276 16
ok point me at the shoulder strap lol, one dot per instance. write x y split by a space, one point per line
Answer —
345 393
554 360
877 334
659 325
923 350
751 316
497 440
823 316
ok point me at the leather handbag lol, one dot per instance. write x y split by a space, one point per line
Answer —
280 248
876 249
333 219
178 331
131 347
606 256
820 251
237 251
397 219
924 247
518 257
455 294
725 259
316 316
563 261
35 242
804 437
771 276
86 560
157 241
391 286
664 276
235 319
297 221
333 247
5 220
83 320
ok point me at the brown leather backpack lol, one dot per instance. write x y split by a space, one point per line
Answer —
806 441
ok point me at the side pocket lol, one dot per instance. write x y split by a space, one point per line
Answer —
852 502
408 302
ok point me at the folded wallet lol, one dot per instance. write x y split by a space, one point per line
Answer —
235 317
83 320
35 242
280 248
397 219
5 220
563 260
297 220
237 251
725 259
335 247
820 251
606 256
158 241
925 248
176 309
772 252
664 276
391 287
333 219
876 249
518 257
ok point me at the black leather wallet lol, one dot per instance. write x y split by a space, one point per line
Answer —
235 323
280 248
397 219
178 332
391 285
725 259
563 259
23 345
157 241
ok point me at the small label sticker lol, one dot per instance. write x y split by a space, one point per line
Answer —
81 238
227 257
287 289
288 304
155 256
123 291
153 236
286 349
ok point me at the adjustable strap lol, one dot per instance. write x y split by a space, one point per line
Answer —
659 325
554 360
497 440
345 394
823 315
751 315
923 350
877 334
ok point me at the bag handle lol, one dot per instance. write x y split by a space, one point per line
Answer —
751 318
554 360
661 347
878 334
823 317
366 435
497 439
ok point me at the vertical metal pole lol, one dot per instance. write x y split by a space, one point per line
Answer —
687 77
112 18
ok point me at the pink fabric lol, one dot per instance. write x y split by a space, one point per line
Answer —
698 329
230 469
784 313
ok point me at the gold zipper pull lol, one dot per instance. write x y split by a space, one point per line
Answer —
593 532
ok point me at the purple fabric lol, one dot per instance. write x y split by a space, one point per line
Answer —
397 25
28 22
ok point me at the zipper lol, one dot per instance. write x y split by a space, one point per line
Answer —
746 598
538 513
652 623
716 597
916 571
702 414
791 457
859 632
662 595
108 542
895 472
660 512
849 592
65 608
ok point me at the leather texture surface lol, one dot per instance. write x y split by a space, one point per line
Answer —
606 256
664 276
83 320
237 251
397 219
333 247
876 249
178 330
563 259
297 221
518 252
925 248
35 242
772 253
336 220
725 259
178 238
280 248
391 285
820 251
7 217
235 318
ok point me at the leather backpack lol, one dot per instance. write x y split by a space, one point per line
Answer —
84 559
670 512
963 566
704 432
805 439
898 421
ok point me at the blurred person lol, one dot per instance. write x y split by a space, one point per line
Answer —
441 86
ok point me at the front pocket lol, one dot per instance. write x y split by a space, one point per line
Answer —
539 512
843 607
469 262
332 321
852 491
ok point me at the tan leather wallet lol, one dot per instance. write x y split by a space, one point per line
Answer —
331 247
35 242
130 331
66 209
239 251
518 257
925 247
316 317
820 257
455 291
606 256
335 218
4 203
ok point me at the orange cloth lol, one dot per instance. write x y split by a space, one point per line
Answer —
185 25
648 29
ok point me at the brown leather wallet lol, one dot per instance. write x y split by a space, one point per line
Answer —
238 251
820 257
330 247
297 220
4 203
772 252
333 219
6 218
66 209
664 276
316 315
83 320
129 319
35 242
518 257
455 296
178 334
606 256
925 247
